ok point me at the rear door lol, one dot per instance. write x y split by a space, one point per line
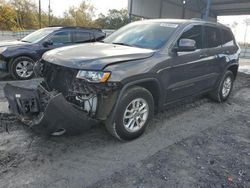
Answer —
213 43
230 50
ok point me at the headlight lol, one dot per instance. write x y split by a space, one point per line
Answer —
93 76
2 49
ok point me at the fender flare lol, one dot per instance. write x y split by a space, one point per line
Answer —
111 117
225 70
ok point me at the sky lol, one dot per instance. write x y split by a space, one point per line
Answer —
102 6
240 30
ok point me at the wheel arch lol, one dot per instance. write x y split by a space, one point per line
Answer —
18 56
149 84
234 69
153 87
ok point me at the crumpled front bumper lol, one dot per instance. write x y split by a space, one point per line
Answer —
58 113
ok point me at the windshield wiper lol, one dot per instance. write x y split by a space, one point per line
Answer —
124 44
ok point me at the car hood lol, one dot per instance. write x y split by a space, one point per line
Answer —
13 43
95 56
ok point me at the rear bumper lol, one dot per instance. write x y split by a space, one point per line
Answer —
50 112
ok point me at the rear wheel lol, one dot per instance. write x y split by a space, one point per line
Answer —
134 112
21 68
224 89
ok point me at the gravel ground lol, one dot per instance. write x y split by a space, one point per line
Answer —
198 143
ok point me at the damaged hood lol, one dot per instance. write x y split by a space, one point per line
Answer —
95 56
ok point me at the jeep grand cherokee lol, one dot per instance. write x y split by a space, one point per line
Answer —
136 71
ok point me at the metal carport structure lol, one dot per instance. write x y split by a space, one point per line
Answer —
205 9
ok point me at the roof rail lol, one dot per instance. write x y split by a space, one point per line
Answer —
75 27
197 19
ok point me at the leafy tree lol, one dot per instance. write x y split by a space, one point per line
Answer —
23 14
27 14
7 17
115 19
78 16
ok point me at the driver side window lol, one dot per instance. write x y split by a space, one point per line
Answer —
63 37
194 33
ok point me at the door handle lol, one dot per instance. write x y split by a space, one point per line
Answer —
203 55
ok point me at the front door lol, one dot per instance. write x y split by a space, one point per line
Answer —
59 39
189 73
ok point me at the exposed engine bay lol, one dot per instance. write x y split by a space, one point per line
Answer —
61 91
83 94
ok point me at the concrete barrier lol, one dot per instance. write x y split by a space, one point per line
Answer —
245 53
11 35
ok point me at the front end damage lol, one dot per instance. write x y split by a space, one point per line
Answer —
62 101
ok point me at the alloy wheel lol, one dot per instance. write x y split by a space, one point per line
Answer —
227 86
136 115
24 69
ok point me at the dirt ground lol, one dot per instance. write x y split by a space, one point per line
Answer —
198 143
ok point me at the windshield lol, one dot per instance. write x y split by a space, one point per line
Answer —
37 35
150 35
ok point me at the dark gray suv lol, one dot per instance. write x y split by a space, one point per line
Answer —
121 81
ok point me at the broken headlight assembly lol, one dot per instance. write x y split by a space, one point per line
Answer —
93 76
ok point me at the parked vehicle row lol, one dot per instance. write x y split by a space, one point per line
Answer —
133 73
18 58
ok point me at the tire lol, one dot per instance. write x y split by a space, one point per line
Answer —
127 128
22 62
218 94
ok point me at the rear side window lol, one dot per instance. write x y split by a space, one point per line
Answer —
80 36
63 37
228 39
213 37
194 33
100 36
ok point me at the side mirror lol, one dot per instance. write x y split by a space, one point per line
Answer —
47 43
186 45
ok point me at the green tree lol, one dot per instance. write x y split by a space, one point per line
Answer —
27 14
7 17
78 16
23 14
115 19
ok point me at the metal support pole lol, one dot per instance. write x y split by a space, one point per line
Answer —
40 17
130 10
160 13
184 9
49 14
245 41
206 15
247 21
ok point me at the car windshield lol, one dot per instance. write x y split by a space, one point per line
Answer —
150 35
37 35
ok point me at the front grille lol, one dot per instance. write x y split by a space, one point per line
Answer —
59 78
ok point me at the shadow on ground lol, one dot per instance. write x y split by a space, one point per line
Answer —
198 143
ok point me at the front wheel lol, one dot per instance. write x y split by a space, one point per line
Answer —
135 110
224 89
21 68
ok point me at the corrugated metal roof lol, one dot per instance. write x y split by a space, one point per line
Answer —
191 8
